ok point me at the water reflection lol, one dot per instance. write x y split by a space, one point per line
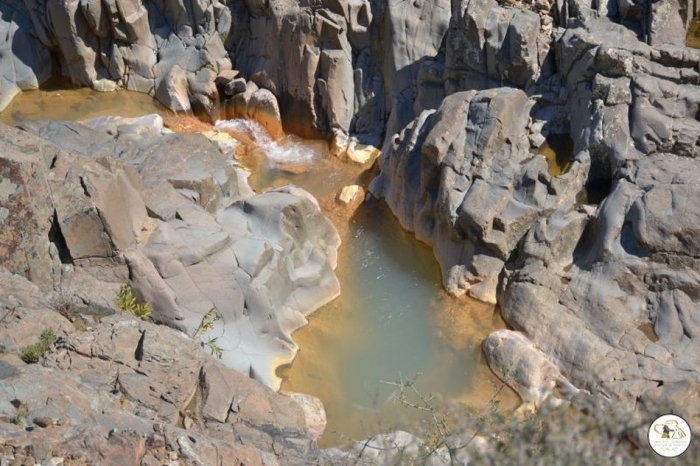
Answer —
57 103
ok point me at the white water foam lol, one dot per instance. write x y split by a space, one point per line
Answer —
288 150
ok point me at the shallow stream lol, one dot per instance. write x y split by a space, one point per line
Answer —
392 320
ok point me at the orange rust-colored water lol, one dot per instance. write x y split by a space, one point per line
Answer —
692 37
558 149
77 104
393 318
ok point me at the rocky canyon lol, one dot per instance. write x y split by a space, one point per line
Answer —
546 150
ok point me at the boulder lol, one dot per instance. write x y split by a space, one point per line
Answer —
99 209
314 413
256 104
263 108
348 194
526 369
172 90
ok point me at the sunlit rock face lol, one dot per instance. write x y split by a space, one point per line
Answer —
175 212
595 263
87 411
464 179
347 65
262 264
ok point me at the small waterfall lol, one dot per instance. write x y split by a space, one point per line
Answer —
289 150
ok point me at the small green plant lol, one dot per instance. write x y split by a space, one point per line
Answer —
207 322
126 301
19 417
205 325
32 353
215 349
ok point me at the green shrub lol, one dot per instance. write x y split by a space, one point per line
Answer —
32 353
126 301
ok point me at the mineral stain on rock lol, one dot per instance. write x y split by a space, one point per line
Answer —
59 102
593 263
692 38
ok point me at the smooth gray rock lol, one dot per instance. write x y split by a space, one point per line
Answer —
498 43
480 187
263 264
410 32
25 61
597 267
98 391
524 367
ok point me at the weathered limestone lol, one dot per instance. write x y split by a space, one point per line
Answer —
128 392
174 209
261 276
480 187
596 267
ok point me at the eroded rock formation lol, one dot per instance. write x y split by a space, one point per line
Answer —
596 266
115 200
130 392
345 64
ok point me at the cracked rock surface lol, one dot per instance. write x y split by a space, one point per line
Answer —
595 267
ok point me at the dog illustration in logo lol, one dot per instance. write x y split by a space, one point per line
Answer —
669 430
